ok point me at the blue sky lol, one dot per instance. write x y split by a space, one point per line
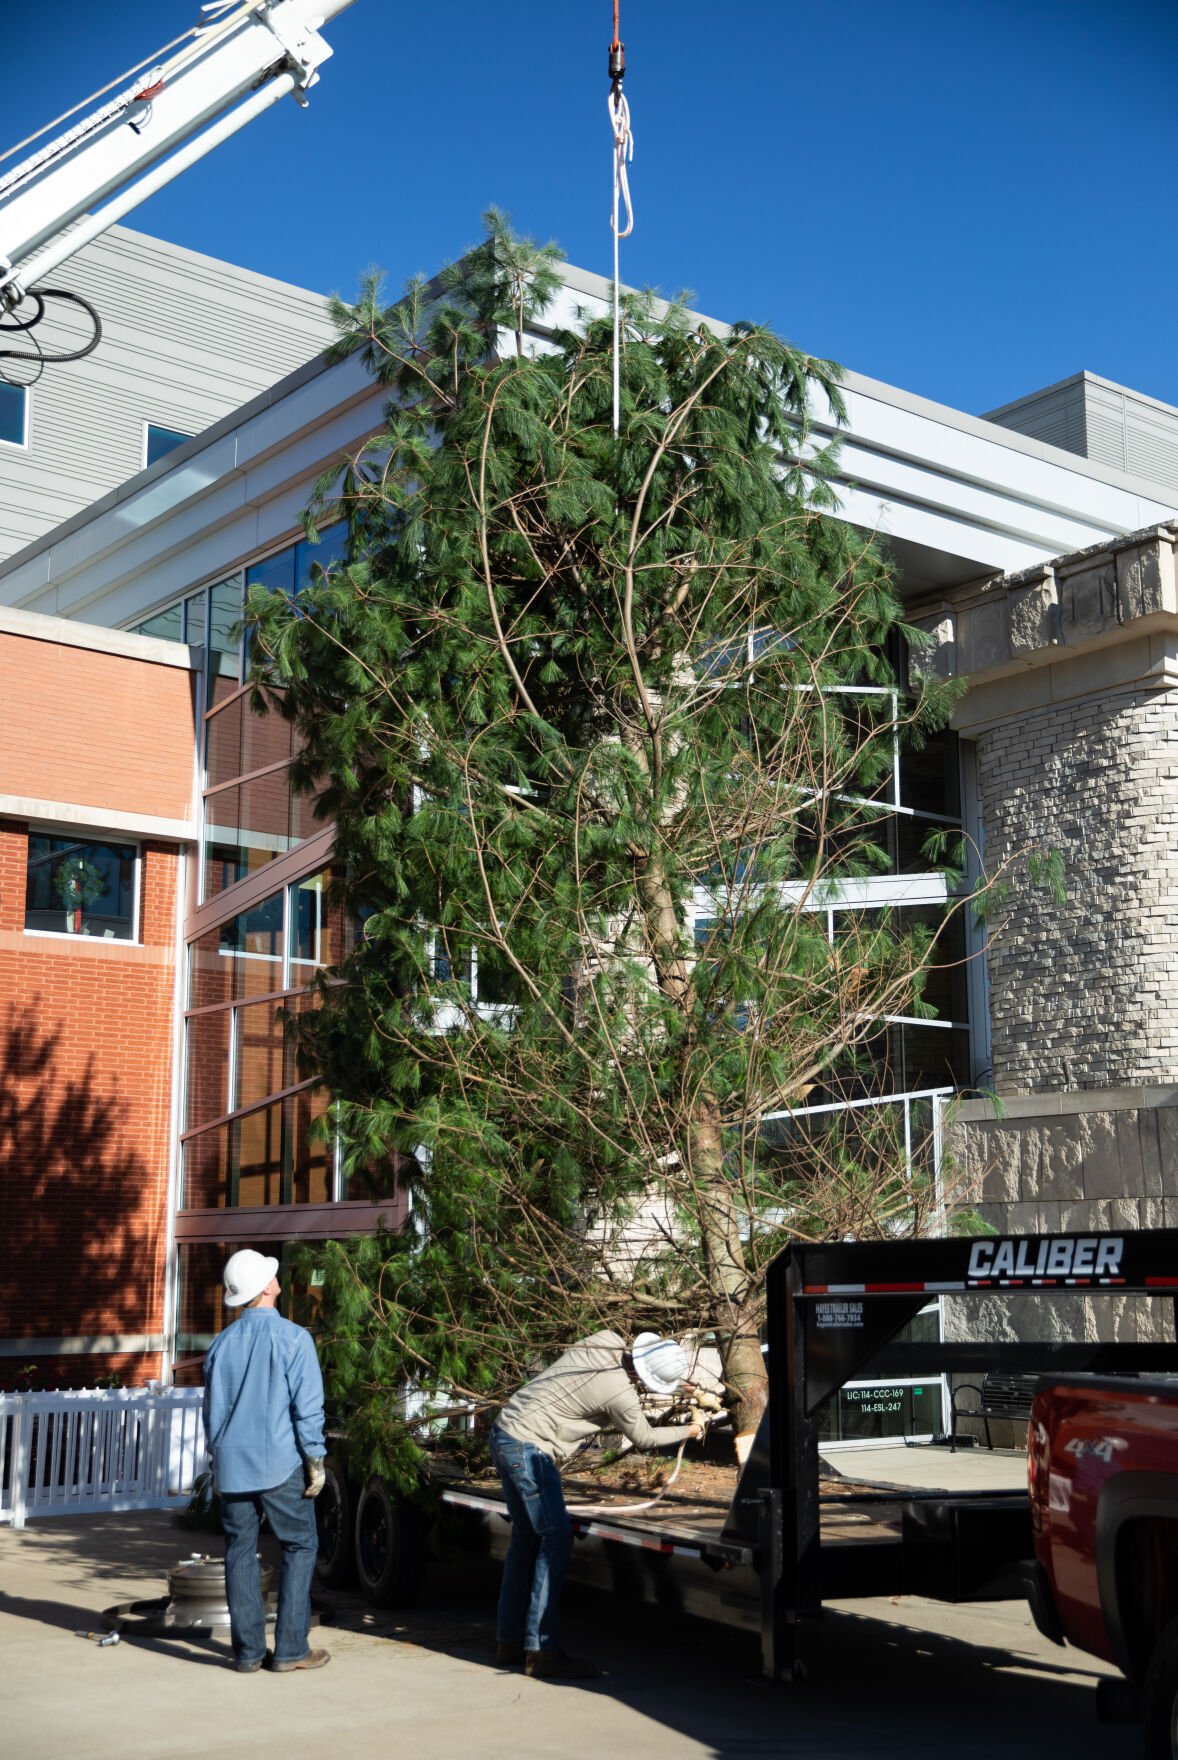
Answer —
968 199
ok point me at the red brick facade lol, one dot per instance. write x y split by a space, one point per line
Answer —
95 729
98 744
87 1025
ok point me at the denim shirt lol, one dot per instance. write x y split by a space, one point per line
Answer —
263 1404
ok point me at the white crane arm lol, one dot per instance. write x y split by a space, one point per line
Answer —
231 70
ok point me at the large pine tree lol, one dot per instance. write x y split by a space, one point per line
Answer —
597 718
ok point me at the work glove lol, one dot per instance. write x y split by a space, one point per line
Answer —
316 1476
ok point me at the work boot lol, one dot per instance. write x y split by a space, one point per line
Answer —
313 1659
249 1667
557 1665
509 1655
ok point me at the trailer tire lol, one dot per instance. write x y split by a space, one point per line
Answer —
335 1518
1160 1697
390 1546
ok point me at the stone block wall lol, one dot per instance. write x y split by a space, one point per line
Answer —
1072 705
1083 995
1068 1164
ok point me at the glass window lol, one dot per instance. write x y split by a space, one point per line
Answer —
200 1312
225 600
224 648
78 887
311 1162
930 777
900 1058
247 827
265 1157
14 407
289 570
240 741
870 1411
223 744
239 959
498 981
451 958
182 622
946 979
206 1170
167 626
331 548
263 1060
208 1067
161 441
256 1157
316 927
254 942
275 573
194 619
237 1163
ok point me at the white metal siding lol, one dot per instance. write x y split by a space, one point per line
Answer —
1107 423
186 340
1057 420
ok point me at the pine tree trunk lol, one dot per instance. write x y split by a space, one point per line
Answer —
725 1273
745 1377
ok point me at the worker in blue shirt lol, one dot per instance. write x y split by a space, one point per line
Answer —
263 1413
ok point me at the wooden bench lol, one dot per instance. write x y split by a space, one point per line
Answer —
1001 1394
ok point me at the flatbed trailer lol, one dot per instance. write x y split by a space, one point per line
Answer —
874 1541
783 1547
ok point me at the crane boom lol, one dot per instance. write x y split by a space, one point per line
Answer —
253 54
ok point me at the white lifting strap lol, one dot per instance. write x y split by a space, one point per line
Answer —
619 119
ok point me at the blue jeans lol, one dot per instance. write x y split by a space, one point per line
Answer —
292 1522
541 1540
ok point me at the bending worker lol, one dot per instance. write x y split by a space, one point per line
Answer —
592 1387
263 1411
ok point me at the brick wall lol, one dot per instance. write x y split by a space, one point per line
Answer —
86 1023
86 1030
1082 995
95 729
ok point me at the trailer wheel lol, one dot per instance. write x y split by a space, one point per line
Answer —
1160 1697
335 1566
390 1547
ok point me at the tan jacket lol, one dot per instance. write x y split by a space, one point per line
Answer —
584 1391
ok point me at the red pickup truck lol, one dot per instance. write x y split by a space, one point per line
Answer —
1102 1458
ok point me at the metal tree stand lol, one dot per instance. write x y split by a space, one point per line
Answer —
194 1607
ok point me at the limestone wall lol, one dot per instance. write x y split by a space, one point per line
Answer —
1068 1164
1073 707
1082 995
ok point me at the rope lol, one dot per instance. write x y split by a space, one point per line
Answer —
629 1509
619 121
698 1416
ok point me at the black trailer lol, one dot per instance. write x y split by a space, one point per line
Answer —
768 1561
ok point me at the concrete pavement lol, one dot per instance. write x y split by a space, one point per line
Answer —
892 1678
931 1469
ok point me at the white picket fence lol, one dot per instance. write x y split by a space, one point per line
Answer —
102 1449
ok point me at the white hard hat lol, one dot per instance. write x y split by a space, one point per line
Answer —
246 1275
659 1363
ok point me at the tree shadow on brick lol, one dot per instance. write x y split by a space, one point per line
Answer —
78 1259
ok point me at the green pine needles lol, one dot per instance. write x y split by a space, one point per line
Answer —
599 721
